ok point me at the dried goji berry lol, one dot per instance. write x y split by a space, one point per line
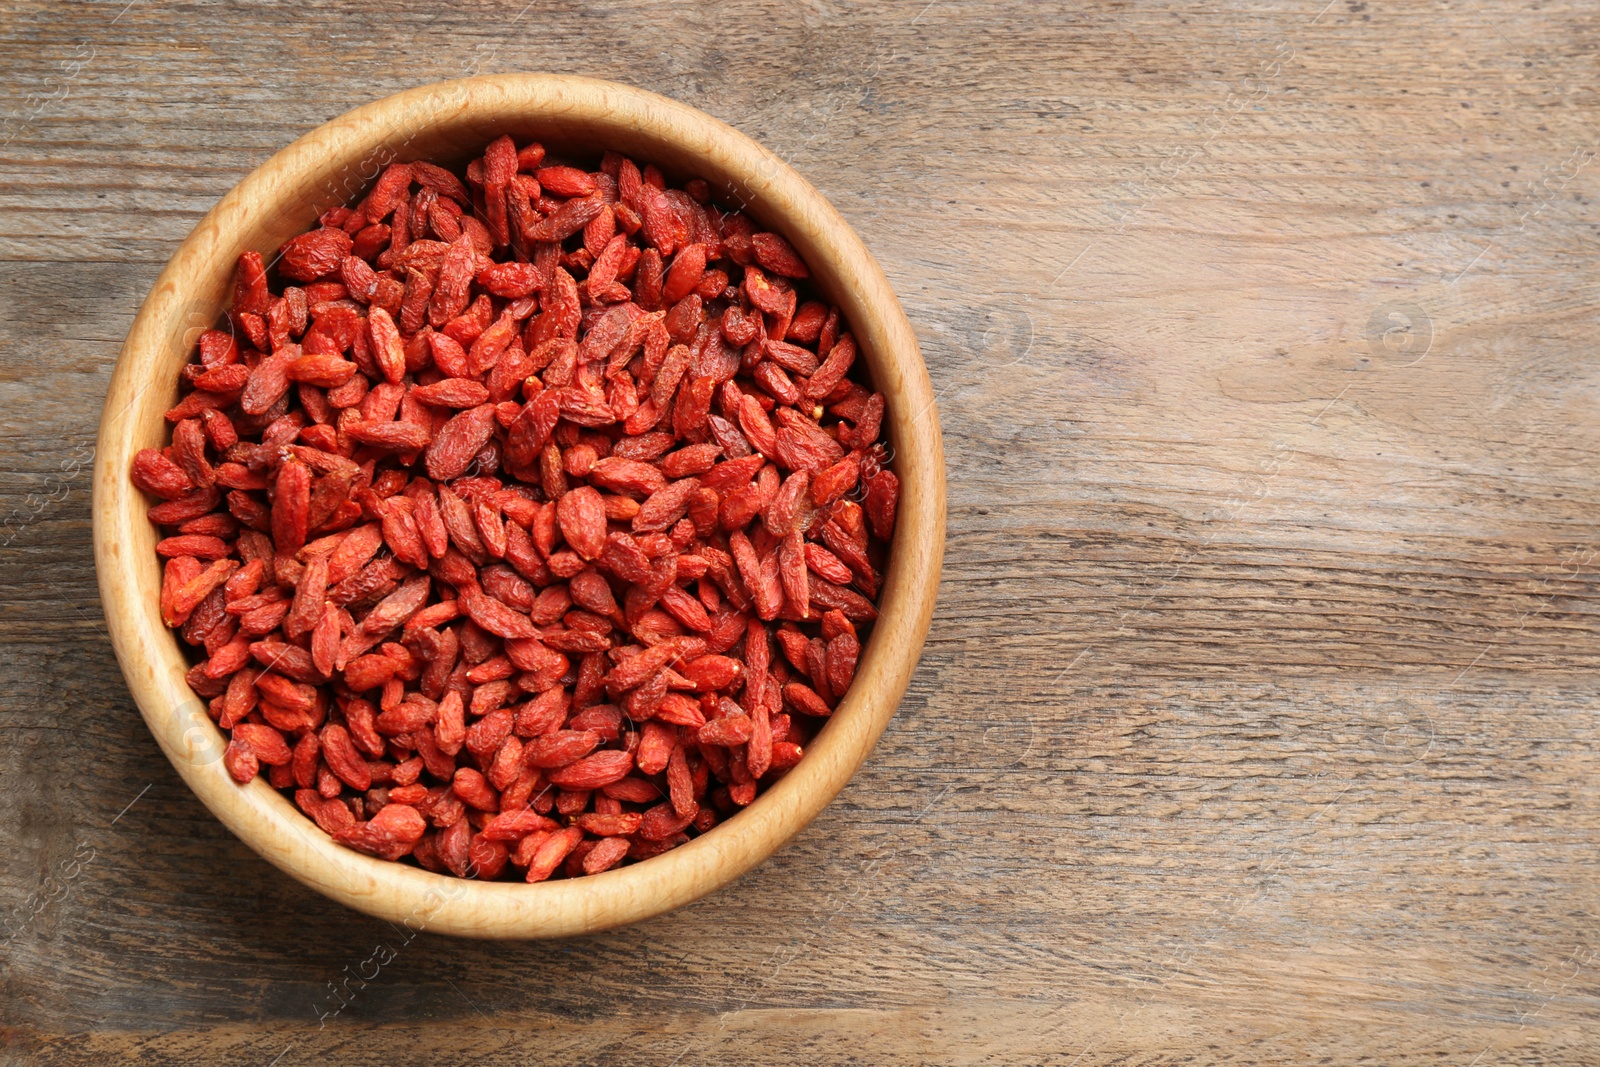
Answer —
481 532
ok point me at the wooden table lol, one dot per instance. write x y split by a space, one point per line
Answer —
1256 723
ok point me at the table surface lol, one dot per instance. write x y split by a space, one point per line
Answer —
1255 723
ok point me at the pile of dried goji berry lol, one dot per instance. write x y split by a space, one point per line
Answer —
484 523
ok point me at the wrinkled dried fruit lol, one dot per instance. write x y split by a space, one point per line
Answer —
484 533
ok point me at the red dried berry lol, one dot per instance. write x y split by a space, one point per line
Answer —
482 538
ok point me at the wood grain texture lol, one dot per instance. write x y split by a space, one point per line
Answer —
1257 719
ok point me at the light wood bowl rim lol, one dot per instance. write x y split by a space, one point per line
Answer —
283 192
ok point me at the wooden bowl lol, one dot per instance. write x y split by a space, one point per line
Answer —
333 165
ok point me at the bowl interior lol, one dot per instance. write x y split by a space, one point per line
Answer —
335 164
